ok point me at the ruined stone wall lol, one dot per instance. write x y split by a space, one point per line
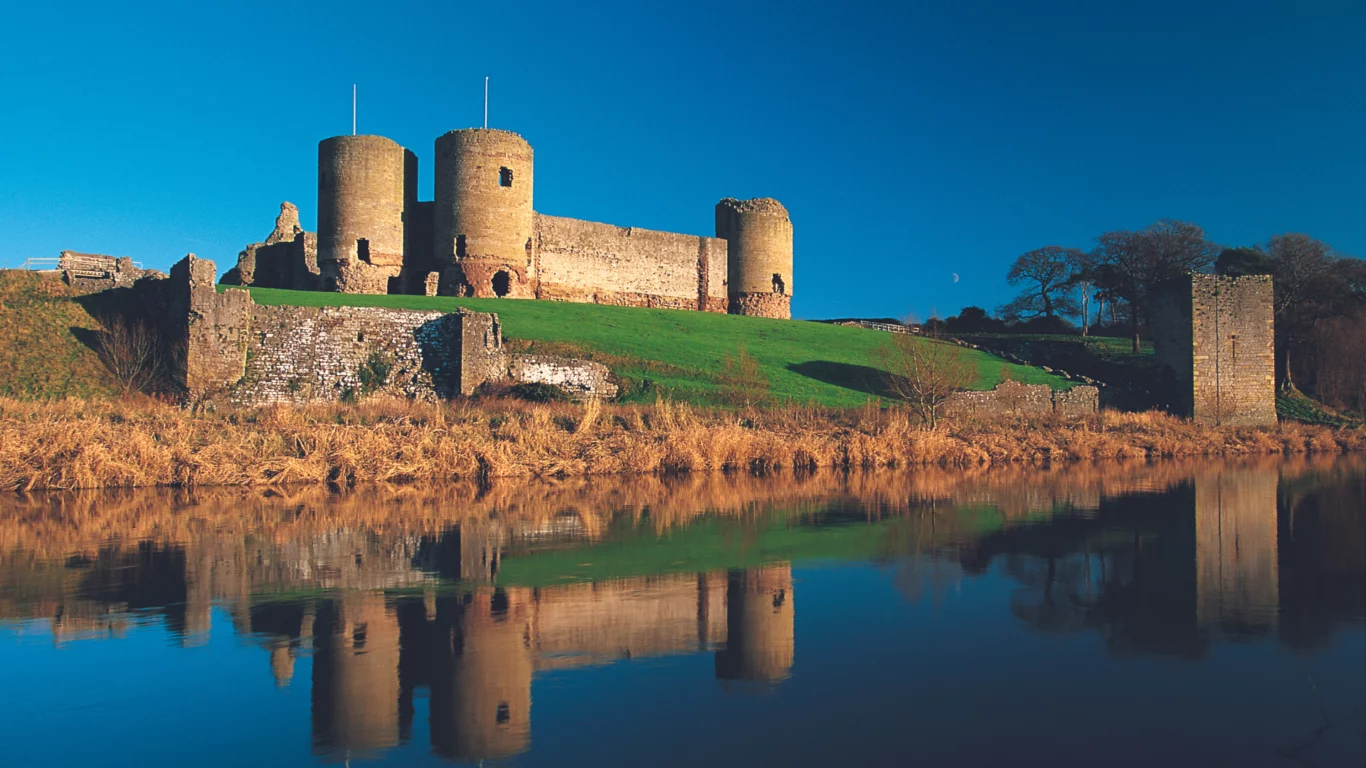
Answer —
312 354
483 218
759 235
1216 335
212 327
1012 398
95 272
581 379
586 261
362 193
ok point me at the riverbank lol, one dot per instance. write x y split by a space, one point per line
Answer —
141 442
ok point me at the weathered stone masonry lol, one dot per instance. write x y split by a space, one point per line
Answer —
250 354
1216 335
1011 398
482 237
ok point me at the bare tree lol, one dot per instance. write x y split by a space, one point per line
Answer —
924 372
1047 274
130 351
1128 265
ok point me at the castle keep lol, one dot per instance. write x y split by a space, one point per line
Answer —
1217 336
481 236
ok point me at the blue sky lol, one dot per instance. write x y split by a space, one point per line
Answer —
909 141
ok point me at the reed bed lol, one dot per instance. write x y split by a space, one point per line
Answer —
139 442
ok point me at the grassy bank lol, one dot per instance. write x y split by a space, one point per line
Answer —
683 355
41 351
89 444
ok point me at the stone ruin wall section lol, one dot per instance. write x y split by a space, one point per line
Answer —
591 262
1233 347
1216 335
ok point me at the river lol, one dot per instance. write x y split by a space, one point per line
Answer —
1179 613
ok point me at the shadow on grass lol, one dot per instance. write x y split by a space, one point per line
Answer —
859 378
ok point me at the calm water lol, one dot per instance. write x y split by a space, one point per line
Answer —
1173 614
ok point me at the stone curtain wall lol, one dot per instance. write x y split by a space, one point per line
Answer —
1216 335
250 354
312 354
590 262
1011 398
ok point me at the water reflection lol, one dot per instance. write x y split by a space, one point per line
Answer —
461 597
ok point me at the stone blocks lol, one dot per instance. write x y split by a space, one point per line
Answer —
1216 336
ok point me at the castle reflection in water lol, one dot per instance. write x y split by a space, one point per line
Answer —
464 595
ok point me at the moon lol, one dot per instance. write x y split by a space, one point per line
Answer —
955 277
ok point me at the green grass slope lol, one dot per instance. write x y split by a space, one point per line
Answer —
41 355
683 354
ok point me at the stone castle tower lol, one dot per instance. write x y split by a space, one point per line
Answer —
759 237
1217 337
485 225
481 236
759 620
363 194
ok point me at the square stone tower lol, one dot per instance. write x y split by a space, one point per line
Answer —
1217 336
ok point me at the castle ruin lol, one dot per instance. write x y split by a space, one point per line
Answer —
1216 335
480 236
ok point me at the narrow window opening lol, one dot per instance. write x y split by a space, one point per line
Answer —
505 177
359 337
1233 340
779 598
779 287
363 250
502 283
358 637
460 246
504 713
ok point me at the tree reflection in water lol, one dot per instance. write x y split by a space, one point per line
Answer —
463 595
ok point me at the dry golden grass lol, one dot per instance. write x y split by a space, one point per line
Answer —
141 442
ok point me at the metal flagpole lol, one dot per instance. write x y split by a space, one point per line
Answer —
486 101
353 109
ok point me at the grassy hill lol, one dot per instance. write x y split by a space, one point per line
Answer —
41 354
684 354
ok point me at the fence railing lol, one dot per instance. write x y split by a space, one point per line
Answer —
890 328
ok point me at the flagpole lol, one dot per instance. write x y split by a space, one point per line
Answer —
353 109
486 101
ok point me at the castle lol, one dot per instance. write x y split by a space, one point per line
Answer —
481 236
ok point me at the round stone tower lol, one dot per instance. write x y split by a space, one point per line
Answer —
758 235
759 625
361 200
484 222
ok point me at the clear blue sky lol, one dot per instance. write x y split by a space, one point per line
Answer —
910 141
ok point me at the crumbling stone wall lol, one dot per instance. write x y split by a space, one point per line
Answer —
311 354
250 354
581 379
208 330
1012 398
288 258
1216 336
586 261
94 272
